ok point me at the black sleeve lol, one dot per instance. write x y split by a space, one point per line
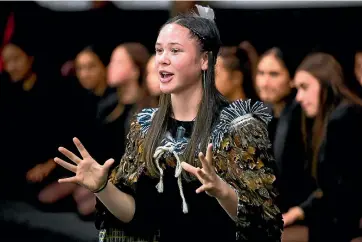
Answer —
340 168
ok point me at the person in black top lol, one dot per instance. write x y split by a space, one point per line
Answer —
275 72
334 208
30 99
195 169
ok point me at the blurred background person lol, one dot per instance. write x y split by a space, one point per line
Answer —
358 66
28 115
274 84
153 83
234 74
334 208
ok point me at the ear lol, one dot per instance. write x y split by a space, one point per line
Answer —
204 61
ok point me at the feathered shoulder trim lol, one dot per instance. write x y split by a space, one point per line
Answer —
236 115
144 118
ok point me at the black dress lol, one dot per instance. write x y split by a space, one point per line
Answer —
241 158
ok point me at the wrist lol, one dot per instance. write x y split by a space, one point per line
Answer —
225 191
101 188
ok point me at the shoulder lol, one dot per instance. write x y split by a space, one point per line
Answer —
346 117
143 119
346 112
242 117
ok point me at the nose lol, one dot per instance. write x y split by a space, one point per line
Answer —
83 74
10 67
162 58
263 82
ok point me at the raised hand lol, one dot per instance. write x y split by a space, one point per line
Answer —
211 182
88 173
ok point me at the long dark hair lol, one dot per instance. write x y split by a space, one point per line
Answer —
328 72
237 59
206 33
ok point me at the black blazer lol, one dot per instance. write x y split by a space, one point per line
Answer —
337 213
294 181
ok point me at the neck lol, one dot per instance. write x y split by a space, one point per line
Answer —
185 105
28 83
236 95
100 89
130 92
278 108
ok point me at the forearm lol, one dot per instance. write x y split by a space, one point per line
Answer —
229 201
308 205
120 204
51 164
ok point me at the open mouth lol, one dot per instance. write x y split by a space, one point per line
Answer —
165 76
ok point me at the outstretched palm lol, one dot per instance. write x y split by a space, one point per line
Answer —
88 172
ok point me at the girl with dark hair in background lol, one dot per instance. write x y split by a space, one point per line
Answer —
127 73
334 208
195 169
153 84
274 77
83 104
234 74
28 122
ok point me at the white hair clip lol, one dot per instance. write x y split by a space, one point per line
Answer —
205 12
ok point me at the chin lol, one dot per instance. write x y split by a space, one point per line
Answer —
165 91
114 83
310 114
15 79
166 88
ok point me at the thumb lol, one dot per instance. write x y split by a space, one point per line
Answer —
107 165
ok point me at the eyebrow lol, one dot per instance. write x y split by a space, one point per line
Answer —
171 43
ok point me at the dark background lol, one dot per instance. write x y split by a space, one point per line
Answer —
59 35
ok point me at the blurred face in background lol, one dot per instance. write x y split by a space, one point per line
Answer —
153 82
16 62
121 68
90 70
227 80
273 82
309 90
358 66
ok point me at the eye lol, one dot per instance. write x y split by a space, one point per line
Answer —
175 50
158 50
274 74
304 86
